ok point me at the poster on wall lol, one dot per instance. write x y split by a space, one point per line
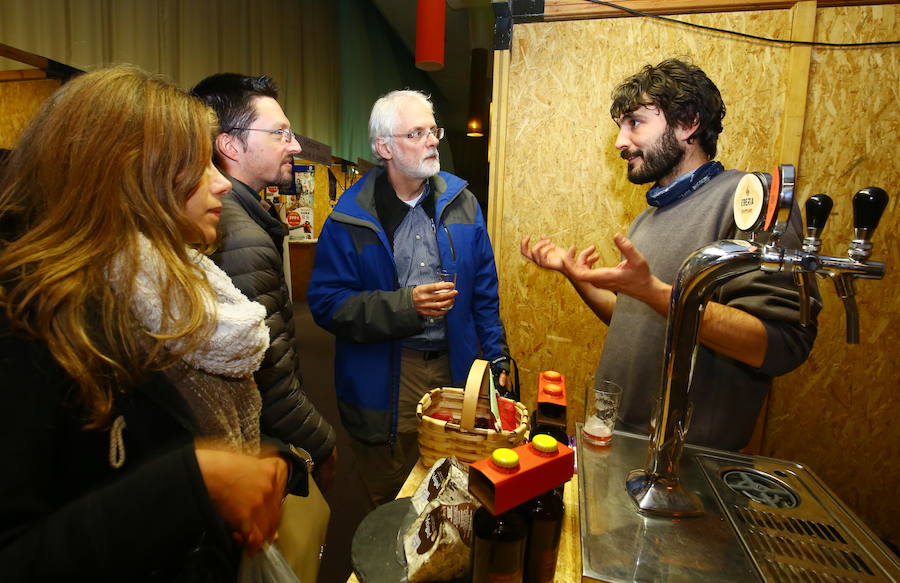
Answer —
275 198
299 205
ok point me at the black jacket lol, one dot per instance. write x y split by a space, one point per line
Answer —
66 514
250 252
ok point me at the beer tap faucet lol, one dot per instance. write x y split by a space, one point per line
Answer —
868 206
818 207
762 208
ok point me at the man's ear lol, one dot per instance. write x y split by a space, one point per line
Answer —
383 149
228 146
685 132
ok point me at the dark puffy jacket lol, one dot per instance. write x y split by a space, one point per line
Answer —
250 251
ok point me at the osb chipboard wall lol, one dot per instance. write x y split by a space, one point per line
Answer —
321 202
324 204
18 102
838 413
562 177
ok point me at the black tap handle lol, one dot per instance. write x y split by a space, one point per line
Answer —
868 205
818 208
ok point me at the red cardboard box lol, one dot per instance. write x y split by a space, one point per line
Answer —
499 490
551 399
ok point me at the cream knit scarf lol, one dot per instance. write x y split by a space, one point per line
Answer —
215 378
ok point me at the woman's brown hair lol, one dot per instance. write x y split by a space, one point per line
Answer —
113 153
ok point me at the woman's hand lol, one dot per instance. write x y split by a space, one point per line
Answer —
247 492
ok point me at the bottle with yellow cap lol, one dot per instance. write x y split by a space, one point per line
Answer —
544 516
498 549
545 445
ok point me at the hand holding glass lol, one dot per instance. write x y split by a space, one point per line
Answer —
600 411
446 276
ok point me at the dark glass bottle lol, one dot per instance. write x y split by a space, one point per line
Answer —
498 549
498 546
552 412
544 515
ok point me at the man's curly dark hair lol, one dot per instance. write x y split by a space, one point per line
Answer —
684 94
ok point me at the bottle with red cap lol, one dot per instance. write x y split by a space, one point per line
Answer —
551 387
549 418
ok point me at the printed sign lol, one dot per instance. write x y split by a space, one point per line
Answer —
299 206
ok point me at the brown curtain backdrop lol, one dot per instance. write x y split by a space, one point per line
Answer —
294 41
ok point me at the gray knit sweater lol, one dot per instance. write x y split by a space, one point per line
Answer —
726 394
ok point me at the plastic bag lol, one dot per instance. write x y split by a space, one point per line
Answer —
266 566
446 473
438 543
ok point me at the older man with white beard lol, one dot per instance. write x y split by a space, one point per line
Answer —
374 286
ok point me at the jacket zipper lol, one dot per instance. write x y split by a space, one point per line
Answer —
450 239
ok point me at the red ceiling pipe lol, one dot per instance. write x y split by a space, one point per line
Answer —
431 16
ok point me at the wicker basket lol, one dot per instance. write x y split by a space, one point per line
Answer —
439 438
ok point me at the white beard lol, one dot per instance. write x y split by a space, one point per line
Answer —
424 169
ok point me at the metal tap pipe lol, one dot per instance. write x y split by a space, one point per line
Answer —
657 490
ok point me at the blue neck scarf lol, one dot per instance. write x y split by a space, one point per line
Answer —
685 184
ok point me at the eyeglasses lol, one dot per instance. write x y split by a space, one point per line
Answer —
287 136
419 135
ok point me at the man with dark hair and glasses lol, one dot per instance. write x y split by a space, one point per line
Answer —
670 117
399 331
254 148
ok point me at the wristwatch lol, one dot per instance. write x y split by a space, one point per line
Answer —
304 456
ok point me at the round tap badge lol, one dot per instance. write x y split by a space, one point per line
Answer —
749 203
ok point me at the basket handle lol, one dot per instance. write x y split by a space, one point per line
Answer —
475 382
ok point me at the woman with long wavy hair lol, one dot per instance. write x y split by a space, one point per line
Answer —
130 439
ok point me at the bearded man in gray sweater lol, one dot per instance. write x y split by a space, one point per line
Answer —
669 117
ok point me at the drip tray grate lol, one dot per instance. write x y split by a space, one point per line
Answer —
792 527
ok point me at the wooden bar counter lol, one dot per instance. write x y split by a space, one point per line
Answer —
568 565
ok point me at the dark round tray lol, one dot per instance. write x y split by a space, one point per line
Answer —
377 551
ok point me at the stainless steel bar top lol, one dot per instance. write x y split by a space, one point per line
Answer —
619 545
764 520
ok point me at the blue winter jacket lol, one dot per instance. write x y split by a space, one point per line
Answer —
354 294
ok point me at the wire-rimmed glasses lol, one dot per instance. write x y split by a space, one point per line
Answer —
419 135
286 135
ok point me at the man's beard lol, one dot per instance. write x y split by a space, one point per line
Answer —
286 177
425 168
658 161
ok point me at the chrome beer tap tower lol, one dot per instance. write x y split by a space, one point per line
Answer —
763 205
